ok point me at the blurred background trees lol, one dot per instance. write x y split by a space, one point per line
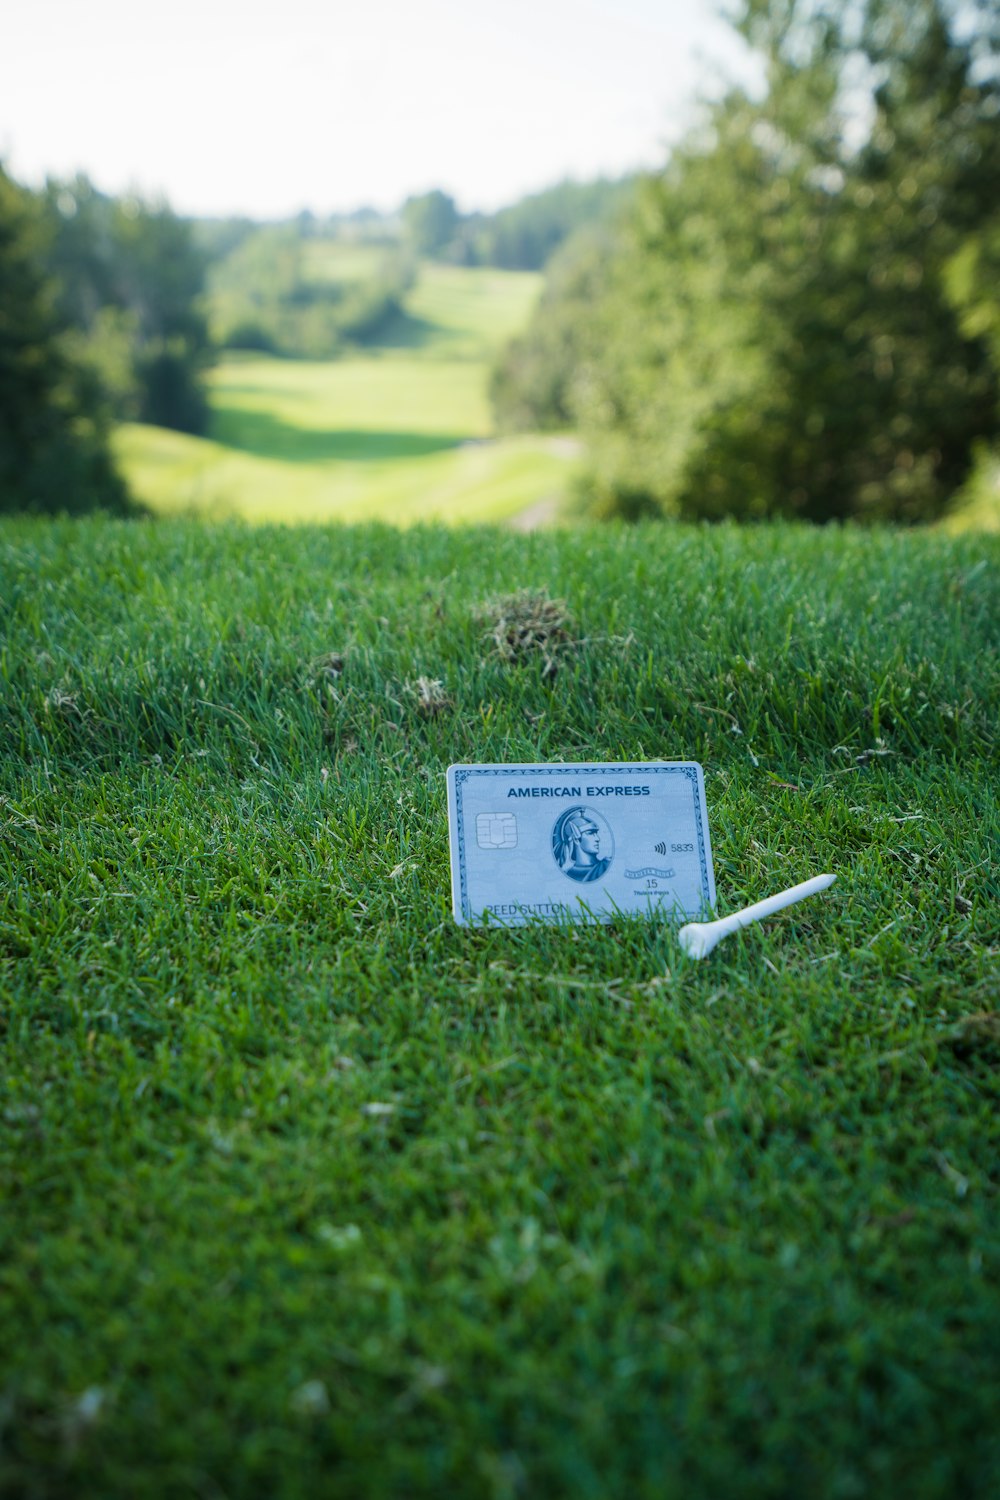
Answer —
270 293
102 319
53 414
430 222
798 316
525 235
131 282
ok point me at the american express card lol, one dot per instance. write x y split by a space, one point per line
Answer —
579 842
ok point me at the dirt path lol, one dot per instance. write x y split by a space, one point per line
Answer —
542 513
545 511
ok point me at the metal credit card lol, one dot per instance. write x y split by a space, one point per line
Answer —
578 842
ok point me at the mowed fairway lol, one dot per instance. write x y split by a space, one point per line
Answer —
402 433
307 1192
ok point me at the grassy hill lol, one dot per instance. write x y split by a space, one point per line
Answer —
400 433
307 1191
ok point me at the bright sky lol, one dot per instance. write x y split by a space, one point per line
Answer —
265 107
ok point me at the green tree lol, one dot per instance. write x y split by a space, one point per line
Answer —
53 433
131 275
892 389
269 294
525 235
431 221
972 280
779 332
541 379
162 282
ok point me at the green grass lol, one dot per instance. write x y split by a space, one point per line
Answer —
383 435
342 261
307 1191
474 312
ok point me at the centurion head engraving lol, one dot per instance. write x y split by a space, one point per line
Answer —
582 844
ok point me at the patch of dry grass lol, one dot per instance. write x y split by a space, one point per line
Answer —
525 623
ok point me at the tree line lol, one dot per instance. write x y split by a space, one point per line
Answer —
102 319
521 237
113 308
800 315
267 293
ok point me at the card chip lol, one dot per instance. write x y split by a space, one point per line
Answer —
496 830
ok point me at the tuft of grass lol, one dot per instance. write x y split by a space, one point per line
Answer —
525 623
306 1190
430 696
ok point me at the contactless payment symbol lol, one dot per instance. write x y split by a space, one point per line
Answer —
496 830
583 845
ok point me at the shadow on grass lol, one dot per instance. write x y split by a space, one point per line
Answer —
403 331
269 437
398 330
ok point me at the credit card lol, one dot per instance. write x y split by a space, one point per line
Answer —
579 842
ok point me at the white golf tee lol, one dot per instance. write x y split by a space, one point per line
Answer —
699 938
